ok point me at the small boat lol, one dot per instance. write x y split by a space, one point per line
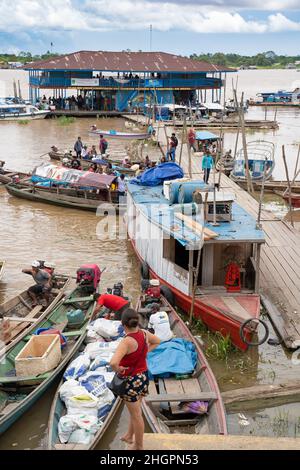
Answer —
2 264
20 307
18 394
10 111
58 410
295 198
261 162
88 193
120 135
8 176
163 407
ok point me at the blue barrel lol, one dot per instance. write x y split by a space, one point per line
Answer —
185 191
174 187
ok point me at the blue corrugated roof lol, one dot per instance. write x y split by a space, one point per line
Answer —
155 206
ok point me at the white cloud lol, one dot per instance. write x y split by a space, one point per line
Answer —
207 16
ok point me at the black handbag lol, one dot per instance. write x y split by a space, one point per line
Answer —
119 382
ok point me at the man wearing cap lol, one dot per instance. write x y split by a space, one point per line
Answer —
43 283
159 322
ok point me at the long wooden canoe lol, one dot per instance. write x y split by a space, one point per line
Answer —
20 308
120 135
161 408
7 176
58 410
66 197
18 394
2 264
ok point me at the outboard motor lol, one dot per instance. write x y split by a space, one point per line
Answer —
118 289
88 276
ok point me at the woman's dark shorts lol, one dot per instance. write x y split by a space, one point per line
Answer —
136 387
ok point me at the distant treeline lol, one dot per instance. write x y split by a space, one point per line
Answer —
25 57
264 59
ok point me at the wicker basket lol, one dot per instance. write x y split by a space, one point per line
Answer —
41 354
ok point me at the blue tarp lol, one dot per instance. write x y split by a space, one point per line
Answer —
157 175
205 135
177 356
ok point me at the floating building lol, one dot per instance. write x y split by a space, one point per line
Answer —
120 81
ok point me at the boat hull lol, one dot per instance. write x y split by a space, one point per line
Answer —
23 116
58 199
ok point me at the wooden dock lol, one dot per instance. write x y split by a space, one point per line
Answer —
280 257
190 442
84 113
209 124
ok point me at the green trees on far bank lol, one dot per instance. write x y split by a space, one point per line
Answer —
264 59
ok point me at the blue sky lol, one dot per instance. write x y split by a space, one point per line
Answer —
179 26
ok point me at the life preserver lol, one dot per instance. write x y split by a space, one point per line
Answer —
233 278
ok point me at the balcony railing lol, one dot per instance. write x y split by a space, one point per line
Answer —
134 84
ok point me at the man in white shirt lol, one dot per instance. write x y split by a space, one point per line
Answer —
159 322
121 185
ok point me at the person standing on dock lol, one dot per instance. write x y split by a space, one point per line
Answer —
78 146
192 139
103 144
207 165
172 147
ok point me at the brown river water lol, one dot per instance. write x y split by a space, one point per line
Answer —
68 237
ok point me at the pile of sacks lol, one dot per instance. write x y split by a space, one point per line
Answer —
85 391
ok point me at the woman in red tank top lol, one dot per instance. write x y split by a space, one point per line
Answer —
130 361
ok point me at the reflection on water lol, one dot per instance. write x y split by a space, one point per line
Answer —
68 237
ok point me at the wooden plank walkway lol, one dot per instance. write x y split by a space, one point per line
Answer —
212 442
280 256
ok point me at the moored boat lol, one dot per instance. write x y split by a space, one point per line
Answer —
10 111
295 198
113 134
88 193
20 307
168 238
164 408
19 393
260 160
8 176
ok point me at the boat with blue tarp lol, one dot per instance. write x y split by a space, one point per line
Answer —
168 236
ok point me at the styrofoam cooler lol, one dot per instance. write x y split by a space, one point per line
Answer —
41 354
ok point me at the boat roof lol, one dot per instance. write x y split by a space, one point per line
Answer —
206 135
151 201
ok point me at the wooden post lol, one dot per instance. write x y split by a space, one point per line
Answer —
289 184
258 225
266 113
257 269
242 125
296 166
182 139
196 271
189 154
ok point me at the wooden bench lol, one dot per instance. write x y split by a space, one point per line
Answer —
203 396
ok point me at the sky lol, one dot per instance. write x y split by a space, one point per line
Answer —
178 26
